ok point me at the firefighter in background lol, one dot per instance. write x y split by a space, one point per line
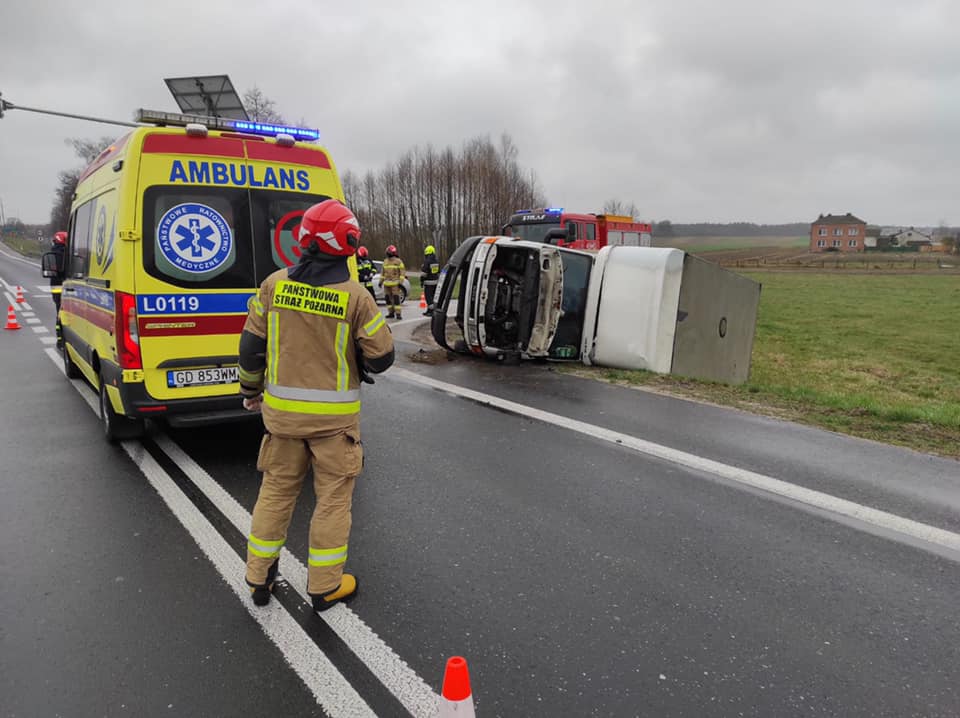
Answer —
366 270
429 276
391 278
310 337
56 281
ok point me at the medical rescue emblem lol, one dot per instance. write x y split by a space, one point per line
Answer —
194 238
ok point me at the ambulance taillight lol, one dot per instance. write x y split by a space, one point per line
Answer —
127 332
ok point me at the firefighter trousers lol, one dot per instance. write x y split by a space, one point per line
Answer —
392 295
336 462
429 290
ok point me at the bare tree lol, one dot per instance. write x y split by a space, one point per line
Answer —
615 206
87 150
261 108
440 197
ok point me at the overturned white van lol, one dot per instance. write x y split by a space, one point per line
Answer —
650 308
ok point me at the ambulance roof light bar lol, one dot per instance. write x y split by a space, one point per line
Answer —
174 119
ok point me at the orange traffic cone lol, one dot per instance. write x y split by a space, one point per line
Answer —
11 319
423 300
456 700
19 294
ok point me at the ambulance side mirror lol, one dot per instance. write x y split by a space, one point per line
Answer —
50 265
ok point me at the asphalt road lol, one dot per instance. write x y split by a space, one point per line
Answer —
591 551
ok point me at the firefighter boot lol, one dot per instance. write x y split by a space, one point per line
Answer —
261 593
344 592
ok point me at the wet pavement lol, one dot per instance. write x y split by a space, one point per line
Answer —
577 576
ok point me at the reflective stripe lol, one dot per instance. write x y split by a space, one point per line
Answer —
251 377
256 305
375 325
327 556
329 408
264 548
273 339
294 392
343 368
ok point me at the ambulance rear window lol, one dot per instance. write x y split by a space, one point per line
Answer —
198 236
217 237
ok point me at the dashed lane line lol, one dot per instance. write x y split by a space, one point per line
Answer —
926 536
332 691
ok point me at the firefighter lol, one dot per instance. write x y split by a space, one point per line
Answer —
429 276
366 270
56 281
390 279
310 337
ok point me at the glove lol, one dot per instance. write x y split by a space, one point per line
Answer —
365 377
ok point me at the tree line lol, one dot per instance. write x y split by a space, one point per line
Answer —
441 196
666 228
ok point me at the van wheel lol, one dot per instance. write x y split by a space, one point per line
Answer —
116 427
403 294
69 368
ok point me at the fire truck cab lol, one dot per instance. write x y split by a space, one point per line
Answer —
591 232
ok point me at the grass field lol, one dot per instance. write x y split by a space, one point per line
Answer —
27 247
702 245
873 356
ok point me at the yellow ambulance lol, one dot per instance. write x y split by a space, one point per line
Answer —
172 229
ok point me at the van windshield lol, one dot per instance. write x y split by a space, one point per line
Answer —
220 237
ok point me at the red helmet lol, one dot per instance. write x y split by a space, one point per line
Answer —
391 251
331 227
362 252
59 237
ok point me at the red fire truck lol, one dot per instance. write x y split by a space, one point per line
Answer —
583 231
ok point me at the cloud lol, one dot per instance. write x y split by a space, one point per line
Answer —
694 110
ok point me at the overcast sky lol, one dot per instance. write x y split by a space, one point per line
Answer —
695 110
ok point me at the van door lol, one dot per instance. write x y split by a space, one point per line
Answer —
79 312
205 251
549 302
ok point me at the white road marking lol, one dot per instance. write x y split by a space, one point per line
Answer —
48 340
25 305
332 691
40 330
10 300
19 259
33 320
871 517
27 315
44 289
401 680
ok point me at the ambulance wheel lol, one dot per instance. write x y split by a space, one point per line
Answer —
69 368
403 294
115 426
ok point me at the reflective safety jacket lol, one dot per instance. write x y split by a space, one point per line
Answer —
365 272
430 269
393 272
311 379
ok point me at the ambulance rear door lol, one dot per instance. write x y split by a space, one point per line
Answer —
218 216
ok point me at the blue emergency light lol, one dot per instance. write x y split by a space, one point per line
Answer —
522 211
554 210
174 119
